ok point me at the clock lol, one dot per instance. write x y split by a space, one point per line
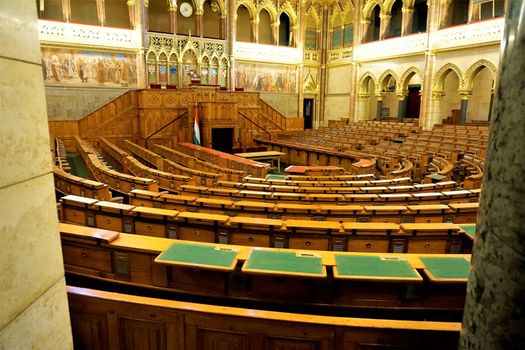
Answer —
186 9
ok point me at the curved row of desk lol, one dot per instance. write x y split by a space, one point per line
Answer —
260 232
423 283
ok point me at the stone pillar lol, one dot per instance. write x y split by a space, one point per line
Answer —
491 103
146 15
223 27
66 10
365 28
354 70
299 43
275 33
407 20
324 55
294 36
494 316
199 22
474 13
131 14
363 107
141 18
401 106
101 12
255 30
230 40
464 105
33 303
384 26
435 110
173 18
445 13
379 107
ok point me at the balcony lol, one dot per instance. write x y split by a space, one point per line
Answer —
88 35
484 32
266 53
400 46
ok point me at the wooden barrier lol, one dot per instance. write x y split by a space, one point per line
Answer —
105 320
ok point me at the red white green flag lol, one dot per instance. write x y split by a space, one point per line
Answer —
196 129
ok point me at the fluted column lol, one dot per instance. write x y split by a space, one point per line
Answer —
145 13
298 41
384 26
141 19
294 40
494 316
354 68
101 12
223 27
173 18
66 10
407 20
379 106
323 75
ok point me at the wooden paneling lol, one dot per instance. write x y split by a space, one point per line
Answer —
89 330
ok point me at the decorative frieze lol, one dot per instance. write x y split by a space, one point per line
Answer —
266 53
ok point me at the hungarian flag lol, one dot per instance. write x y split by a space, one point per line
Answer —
196 129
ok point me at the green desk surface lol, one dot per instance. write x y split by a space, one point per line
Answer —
436 176
446 269
284 263
374 268
469 229
196 255
275 177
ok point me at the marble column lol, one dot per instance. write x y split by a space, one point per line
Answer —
384 25
199 22
401 106
435 110
324 59
141 18
33 301
494 316
145 16
463 108
101 12
407 20
223 27
298 40
173 18
66 10
491 103
379 107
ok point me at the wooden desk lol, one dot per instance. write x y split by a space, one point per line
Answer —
210 257
367 267
271 155
283 263
445 269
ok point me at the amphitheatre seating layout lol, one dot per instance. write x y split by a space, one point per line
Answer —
378 224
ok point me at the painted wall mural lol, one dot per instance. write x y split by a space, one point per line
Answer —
266 78
88 68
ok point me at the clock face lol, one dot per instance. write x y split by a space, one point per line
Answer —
186 9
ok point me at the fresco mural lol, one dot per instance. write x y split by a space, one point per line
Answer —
88 68
266 78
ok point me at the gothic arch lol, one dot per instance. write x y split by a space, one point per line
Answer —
249 5
472 72
312 13
439 77
367 9
270 8
384 76
290 12
364 78
387 6
405 78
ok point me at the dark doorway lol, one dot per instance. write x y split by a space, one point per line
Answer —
222 139
308 112
413 102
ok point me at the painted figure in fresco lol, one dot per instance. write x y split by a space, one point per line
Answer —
81 66
55 68
101 74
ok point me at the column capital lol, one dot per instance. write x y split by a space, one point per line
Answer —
401 94
438 95
408 10
130 2
465 94
363 97
173 8
146 3
199 12
366 21
384 16
275 24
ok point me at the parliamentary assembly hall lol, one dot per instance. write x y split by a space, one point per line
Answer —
262 174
